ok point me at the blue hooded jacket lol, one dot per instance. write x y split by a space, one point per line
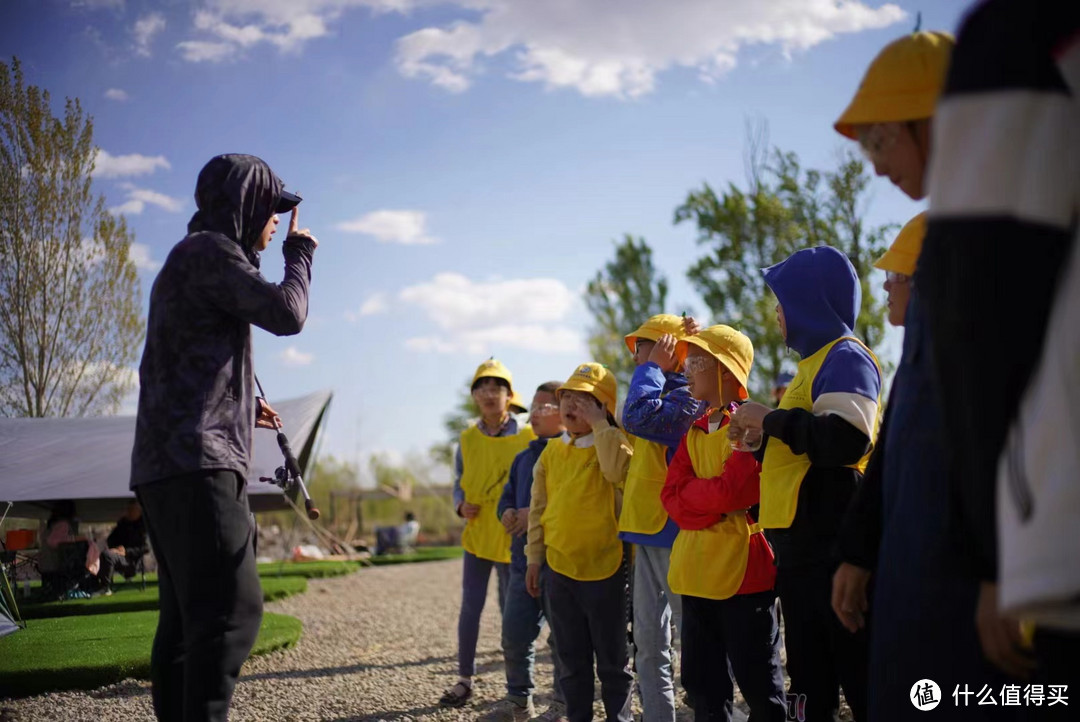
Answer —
517 493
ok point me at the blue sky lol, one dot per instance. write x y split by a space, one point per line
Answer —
466 164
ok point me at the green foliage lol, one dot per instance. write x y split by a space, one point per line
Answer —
88 652
785 208
70 323
626 292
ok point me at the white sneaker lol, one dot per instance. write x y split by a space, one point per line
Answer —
508 710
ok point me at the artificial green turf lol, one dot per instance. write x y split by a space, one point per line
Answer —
85 652
310 570
130 598
422 554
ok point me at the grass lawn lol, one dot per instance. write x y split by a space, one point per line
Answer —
309 570
422 554
85 652
130 598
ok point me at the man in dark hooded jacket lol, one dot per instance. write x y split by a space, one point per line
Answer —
818 444
197 412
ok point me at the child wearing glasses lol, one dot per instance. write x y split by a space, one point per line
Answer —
721 564
573 538
523 615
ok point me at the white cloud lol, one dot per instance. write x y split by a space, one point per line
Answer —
374 304
117 94
405 227
292 356
481 317
107 165
139 254
201 51
601 48
139 198
144 30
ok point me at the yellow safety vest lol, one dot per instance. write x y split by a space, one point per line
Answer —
580 528
711 563
782 471
485 467
642 510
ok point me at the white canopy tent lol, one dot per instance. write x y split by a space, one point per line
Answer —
88 460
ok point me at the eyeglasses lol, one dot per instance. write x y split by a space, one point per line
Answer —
544 409
877 139
487 391
896 277
698 364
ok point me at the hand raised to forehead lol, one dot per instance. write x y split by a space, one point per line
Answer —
295 230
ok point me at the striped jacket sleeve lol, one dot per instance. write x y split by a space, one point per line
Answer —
1003 184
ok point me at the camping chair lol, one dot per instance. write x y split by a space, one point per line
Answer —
140 569
69 572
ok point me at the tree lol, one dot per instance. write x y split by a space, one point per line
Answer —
785 208
624 294
70 322
455 422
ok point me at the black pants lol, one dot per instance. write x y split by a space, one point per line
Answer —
737 637
591 617
203 534
113 562
1056 653
822 656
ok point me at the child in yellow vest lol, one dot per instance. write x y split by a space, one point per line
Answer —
658 412
721 565
481 466
817 447
573 527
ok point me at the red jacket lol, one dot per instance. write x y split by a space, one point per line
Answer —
695 503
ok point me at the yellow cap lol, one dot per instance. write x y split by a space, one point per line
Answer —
902 83
492 369
728 346
656 327
517 404
904 252
595 379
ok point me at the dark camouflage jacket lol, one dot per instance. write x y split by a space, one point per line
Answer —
196 401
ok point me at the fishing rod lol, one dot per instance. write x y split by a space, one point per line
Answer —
288 477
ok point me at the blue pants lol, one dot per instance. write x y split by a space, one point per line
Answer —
474 585
523 618
589 619
923 618
737 637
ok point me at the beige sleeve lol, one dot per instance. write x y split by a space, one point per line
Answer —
613 451
535 551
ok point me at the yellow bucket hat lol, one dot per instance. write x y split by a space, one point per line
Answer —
656 327
493 369
902 83
903 254
517 404
728 346
595 379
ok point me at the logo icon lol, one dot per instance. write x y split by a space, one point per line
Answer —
585 370
925 695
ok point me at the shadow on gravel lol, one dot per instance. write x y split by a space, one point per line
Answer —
348 669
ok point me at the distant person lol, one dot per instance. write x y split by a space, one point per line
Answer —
58 572
124 547
408 532
780 386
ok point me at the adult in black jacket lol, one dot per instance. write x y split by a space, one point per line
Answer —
197 412
125 546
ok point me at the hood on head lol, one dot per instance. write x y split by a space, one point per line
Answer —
820 295
236 195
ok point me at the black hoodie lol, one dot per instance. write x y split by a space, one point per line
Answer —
196 399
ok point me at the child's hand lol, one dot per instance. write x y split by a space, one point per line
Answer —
590 410
663 353
509 520
523 521
750 415
690 326
469 511
532 580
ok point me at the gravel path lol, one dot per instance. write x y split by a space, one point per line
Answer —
380 644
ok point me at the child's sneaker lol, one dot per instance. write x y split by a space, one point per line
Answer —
509 710
555 713
456 696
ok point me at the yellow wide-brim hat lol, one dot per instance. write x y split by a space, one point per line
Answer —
517 404
595 379
730 347
903 254
493 369
902 83
656 327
